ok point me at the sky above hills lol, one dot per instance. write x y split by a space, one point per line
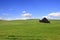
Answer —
27 9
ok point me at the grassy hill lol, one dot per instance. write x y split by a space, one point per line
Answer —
29 30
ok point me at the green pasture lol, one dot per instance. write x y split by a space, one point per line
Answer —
29 30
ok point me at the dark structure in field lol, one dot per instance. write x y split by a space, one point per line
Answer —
44 20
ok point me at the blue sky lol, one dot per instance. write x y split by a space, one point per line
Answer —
11 9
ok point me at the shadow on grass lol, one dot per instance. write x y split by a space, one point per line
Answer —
13 37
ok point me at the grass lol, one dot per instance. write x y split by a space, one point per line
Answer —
29 30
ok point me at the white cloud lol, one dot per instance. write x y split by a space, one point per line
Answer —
54 15
23 11
25 14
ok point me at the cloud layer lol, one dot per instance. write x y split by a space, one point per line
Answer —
54 15
25 15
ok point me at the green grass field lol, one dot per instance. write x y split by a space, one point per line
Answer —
29 30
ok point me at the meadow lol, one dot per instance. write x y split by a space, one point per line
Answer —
29 30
